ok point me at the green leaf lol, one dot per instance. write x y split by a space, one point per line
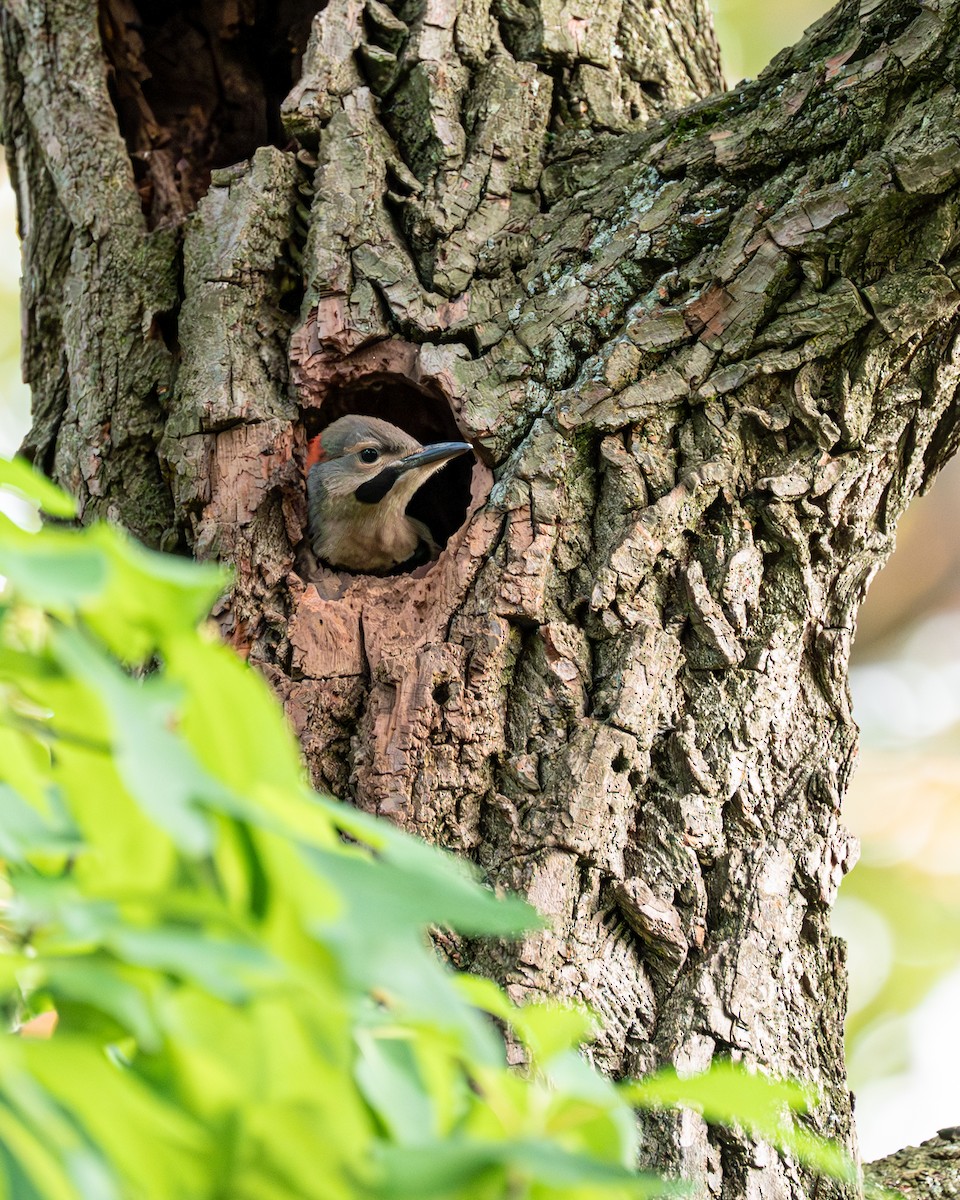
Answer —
17 475
402 897
448 1168
228 969
34 1169
53 568
116 990
147 598
24 763
156 767
24 832
152 1143
727 1093
432 886
378 934
389 1076
232 719
730 1094
820 1153
44 1154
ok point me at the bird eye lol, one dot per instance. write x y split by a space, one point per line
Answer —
369 455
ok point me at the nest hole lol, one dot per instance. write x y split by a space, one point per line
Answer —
442 502
198 86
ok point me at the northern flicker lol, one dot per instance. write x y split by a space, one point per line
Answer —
361 475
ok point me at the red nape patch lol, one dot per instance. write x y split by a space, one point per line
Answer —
315 454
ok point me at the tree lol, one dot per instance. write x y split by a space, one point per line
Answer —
705 350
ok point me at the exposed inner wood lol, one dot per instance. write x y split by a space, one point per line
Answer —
198 86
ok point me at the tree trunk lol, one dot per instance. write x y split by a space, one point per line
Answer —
705 358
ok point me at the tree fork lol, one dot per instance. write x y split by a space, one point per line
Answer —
705 357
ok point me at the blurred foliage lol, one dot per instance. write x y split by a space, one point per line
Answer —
751 33
726 1095
221 980
920 940
899 909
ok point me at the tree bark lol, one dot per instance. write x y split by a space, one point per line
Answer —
705 357
916 1172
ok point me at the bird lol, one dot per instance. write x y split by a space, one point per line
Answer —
362 472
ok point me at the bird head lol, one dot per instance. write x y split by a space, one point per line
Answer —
362 473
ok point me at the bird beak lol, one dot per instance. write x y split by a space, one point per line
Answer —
440 452
434 456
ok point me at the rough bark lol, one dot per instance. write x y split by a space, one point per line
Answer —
706 357
918 1172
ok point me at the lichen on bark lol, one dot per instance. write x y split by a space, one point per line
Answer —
705 348
930 1169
